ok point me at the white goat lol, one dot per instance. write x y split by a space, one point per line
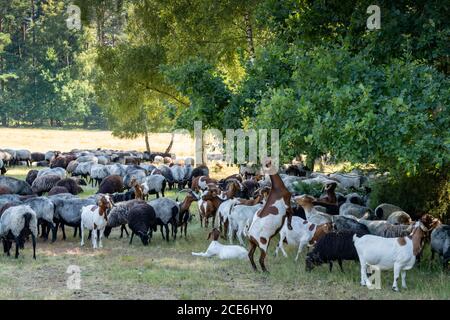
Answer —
240 216
302 234
312 214
95 218
220 250
390 253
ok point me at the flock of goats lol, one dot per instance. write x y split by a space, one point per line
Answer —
256 204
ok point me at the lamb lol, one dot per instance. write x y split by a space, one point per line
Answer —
220 250
385 229
154 184
111 184
239 217
399 217
331 247
167 211
142 222
44 183
16 223
440 244
384 210
95 218
311 213
15 185
31 176
390 253
302 233
71 185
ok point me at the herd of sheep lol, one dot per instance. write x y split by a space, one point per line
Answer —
253 206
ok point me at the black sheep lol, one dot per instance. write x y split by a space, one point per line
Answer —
123 196
342 223
142 222
71 185
57 190
31 176
331 247
111 184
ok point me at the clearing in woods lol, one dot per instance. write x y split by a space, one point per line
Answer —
167 270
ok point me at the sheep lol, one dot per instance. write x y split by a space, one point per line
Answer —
239 217
349 223
31 176
37 157
331 247
57 190
95 218
123 196
111 184
68 211
302 234
2 167
98 173
5 190
311 213
269 220
347 180
154 184
72 166
222 251
167 173
88 158
61 161
351 209
102 160
45 210
291 181
440 244
50 155
389 253
385 229
142 222
384 210
399 217
54 171
44 183
24 155
199 171
15 185
167 211
71 185
178 174
16 223
137 174
83 169
116 169
118 216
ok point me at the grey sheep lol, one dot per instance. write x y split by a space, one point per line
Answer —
68 211
16 223
98 173
116 169
45 210
44 183
440 244
15 185
137 174
72 166
384 210
384 229
31 176
356 210
61 172
178 175
399 217
349 223
118 216
24 155
154 184
166 211
71 184
87 158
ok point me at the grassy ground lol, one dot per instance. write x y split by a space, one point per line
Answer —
42 140
169 271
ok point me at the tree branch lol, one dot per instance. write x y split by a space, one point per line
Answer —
165 93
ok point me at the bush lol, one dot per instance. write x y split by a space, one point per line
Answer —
428 192
313 189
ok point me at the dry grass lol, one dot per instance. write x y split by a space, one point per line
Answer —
42 140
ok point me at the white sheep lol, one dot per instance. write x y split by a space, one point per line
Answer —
387 253
222 251
95 218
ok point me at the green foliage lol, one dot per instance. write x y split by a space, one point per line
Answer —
313 189
428 192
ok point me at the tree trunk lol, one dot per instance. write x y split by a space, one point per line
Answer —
249 32
147 144
171 143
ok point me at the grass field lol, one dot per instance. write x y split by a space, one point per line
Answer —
42 140
169 271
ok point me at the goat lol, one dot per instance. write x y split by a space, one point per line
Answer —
312 214
220 250
95 218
